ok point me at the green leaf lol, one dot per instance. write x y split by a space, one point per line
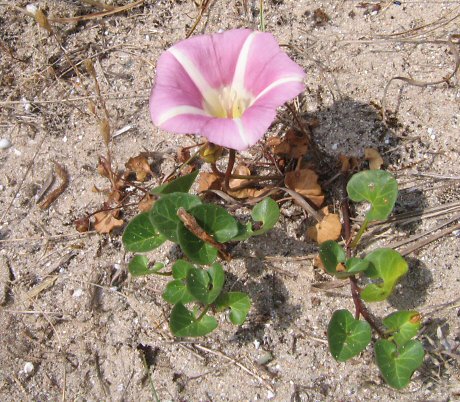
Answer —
204 285
267 212
180 185
377 187
176 292
331 255
139 266
347 337
398 365
355 265
194 248
215 221
403 325
239 304
180 269
184 323
164 213
141 235
387 265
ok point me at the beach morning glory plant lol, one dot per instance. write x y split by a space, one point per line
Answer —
225 86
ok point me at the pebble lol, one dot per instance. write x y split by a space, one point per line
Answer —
5 143
28 368
77 293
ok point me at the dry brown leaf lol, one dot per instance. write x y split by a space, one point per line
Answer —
374 158
209 181
146 203
82 224
183 155
329 228
345 163
236 183
294 145
140 166
305 182
106 222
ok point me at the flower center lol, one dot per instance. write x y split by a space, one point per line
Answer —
228 103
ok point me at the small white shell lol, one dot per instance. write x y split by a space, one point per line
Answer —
5 143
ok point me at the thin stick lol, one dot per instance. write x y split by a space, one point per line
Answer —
236 363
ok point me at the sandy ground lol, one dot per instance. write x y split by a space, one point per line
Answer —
74 326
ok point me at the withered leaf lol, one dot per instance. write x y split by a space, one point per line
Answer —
329 228
105 221
294 145
209 181
146 203
374 158
183 155
305 182
140 166
82 224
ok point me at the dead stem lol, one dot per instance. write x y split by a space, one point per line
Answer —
228 172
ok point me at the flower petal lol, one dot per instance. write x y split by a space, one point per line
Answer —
228 133
173 89
268 64
214 56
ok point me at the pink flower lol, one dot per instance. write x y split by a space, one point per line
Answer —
225 87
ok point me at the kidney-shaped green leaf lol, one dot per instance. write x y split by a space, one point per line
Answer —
377 187
403 325
176 292
206 285
397 366
239 304
267 213
139 266
180 185
194 248
164 213
184 323
331 255
215 221
387 265
346 336
141 235
180 269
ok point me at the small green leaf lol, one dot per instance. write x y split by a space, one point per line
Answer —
164 213
215 221
387 265
176 292
139 266
347 337
180 185
239 304
403 325
267 212
204 285
194 248
331 255
398 365
184 323
377 187
180 269
141 235
355 265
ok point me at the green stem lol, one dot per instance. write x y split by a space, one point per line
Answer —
203 313
228 172
357 239
164 273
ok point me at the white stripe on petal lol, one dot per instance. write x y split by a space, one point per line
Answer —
179 110
241 131
241 64
277 83
195 75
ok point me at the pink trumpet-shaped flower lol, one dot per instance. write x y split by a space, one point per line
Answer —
225 87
